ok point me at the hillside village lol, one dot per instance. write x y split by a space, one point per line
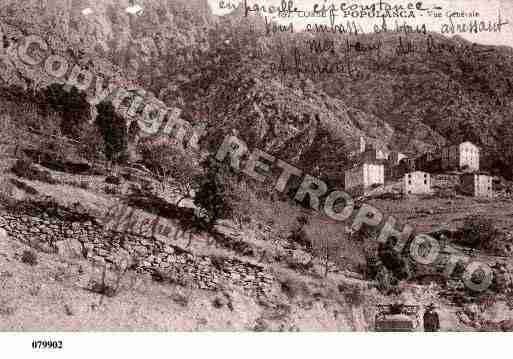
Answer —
102 227
373 169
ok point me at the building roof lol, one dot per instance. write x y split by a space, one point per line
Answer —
412 172
462 143
468 142
479 173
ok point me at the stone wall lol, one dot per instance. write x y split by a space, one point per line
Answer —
91 240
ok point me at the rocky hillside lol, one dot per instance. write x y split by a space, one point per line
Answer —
226 71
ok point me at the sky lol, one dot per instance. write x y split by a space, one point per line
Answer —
488 11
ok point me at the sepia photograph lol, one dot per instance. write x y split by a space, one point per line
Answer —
255 166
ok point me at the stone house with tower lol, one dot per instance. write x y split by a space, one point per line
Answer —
477 184
363 177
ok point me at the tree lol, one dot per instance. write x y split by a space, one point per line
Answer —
114 131
394 261
214 195
174 167
330 154
71 105
478 231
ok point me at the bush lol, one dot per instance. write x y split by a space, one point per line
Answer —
300 237
26 169
394 261
213 194
298 234
111 190
478 232
23 186
384 279
102 288
29 257
114 132
180 299
174 167
113 180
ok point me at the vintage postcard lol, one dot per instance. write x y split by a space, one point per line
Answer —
256 165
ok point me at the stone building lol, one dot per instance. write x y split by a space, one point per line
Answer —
362 145
373 154
477 184
394 173
357 147
462 156
360 179
394 158
417 182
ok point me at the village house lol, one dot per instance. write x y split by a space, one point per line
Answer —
462 156
360 179
373 154
477 184
395 158
417 182
428 162
406 165
357 147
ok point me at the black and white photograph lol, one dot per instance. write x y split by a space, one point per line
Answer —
255 166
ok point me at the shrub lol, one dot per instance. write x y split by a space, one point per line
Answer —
394 261
26 169
179 299
29 257
387 282
174 167
102 288
300 237
111 190
213 194
478 232
298 234
114 132
71 104
23 186
113 180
